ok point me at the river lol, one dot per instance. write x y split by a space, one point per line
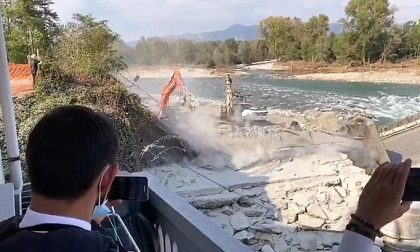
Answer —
387 102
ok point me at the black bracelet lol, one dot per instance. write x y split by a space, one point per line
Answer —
360 230
367 225
365 222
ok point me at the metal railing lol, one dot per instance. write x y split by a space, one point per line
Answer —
181 227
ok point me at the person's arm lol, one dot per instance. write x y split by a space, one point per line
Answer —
380 203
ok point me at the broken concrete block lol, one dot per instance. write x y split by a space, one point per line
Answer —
316 211
307 241
289 214
267 248
245 202
226 210
322 197
309 221
302 198
274 227
239 221
341 191
246 192
334 196
280 245
243 236
215 200
253 213
295 208
333 214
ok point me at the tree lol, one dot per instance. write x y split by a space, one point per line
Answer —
343 49
282 35
144 52
218 55
230 52
413 37
260 50
204 53
30 25
86 48
127 52
315 42
392 44
245 52
366 21
160 51
184 51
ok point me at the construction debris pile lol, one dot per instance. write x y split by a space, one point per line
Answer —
301 205
274 188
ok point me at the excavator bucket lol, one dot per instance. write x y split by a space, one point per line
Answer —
20 79
174 83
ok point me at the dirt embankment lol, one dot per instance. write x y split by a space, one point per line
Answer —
407 72
167 71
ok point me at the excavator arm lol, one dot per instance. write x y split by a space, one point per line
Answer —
174 83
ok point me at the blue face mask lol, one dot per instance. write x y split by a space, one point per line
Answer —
101 210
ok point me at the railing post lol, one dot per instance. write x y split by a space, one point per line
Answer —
2 180
8 114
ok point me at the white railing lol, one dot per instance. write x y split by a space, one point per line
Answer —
181 227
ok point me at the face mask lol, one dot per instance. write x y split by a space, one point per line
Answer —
101 210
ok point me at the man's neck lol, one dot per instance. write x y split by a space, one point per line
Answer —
78 209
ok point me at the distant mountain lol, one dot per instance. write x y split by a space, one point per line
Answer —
237 31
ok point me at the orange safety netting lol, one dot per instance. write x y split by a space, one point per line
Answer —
20 79
175 82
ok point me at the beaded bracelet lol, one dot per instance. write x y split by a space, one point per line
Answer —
367 225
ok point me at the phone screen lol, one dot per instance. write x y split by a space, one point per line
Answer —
129 188
412 187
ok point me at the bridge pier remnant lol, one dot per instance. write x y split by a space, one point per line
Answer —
374 144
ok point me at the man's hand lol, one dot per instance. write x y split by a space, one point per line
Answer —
380 202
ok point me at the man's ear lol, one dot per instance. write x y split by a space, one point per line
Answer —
109 178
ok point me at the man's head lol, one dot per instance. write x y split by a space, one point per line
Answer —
68 151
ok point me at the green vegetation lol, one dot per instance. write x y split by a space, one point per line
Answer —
369 35
85 48
75 70
29 25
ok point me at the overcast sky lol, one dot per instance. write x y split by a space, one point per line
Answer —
135 18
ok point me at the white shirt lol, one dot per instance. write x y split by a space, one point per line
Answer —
352 242
33 218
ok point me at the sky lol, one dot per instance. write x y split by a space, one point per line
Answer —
135 18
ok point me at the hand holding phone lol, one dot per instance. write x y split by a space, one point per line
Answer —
129 188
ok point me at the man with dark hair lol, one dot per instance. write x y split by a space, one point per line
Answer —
71 157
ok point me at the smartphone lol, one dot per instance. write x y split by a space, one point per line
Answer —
412 187
129 188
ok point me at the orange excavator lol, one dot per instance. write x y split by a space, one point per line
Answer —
175 83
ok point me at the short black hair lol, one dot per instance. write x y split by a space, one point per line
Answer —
68 149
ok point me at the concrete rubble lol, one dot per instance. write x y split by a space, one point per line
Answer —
269 213
275 188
